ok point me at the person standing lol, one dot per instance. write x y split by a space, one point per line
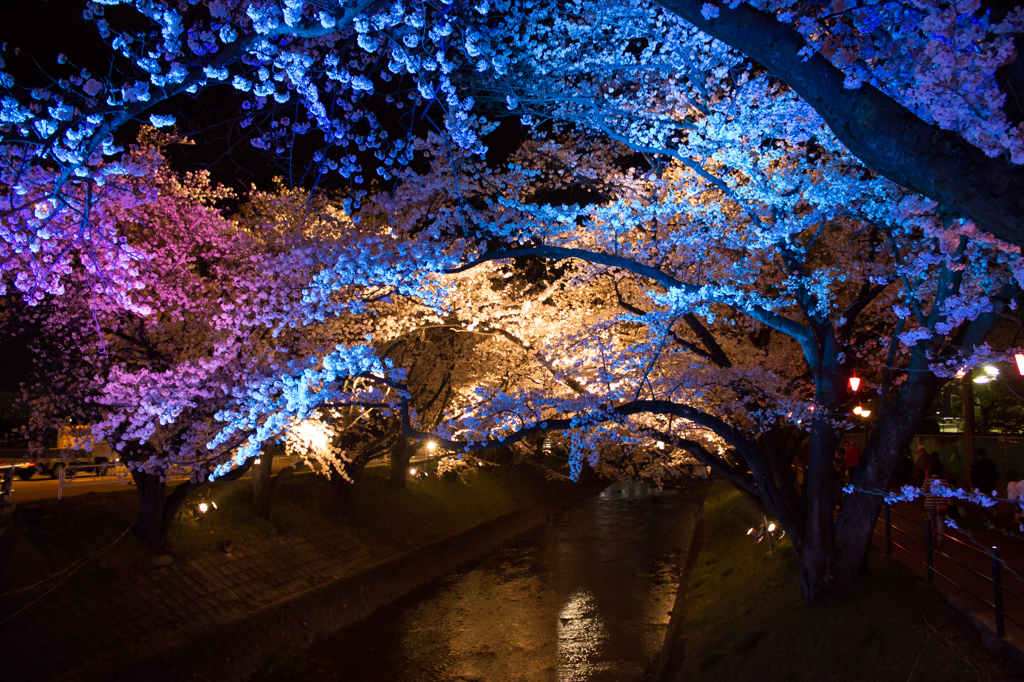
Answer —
983 473
934 504
1013 497
803 455
852 460
903 474
853 454
920 464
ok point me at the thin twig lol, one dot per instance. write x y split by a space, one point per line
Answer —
911 676
957 651
61 582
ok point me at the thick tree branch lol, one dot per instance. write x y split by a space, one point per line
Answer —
883 134
797 332
742 480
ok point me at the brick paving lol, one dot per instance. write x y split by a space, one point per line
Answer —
83 623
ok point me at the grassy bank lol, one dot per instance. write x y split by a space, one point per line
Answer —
385 519
746 619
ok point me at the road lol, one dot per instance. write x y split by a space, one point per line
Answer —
46 488
118 478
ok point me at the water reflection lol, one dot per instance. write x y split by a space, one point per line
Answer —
580 635
584 598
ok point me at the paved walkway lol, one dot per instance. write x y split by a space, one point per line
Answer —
83 624
962 564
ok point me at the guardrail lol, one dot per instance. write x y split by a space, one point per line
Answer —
64 480
65 475
989 557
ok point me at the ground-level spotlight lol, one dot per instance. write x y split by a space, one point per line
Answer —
765 532
203 507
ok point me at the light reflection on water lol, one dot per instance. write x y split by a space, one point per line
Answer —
586 598
580 634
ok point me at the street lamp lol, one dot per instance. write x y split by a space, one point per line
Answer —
854 383
991 372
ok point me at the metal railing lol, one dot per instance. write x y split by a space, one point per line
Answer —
932 551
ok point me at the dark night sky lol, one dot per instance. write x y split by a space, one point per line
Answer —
39 30
42 29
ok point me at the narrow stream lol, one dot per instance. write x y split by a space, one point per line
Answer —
585 597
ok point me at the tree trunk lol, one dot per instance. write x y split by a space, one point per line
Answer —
262 490
343 487
400 456
817 552
151 492
156 508
859 514
895 430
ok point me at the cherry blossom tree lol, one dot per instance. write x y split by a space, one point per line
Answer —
720 230
213 309
722 341
921 78
845 275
